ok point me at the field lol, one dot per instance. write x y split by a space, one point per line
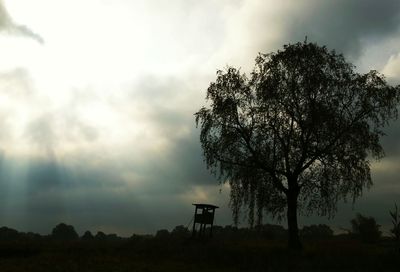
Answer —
153 254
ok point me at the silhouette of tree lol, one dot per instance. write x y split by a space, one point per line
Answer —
100 236
395 216
87 236
297 135
365 228
8 234
162 234
64 232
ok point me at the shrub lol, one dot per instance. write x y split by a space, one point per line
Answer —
365 228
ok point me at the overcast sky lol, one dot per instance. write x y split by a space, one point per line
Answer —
97 100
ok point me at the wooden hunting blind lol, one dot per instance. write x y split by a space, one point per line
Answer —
203 215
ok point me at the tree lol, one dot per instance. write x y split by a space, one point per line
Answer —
87 236
100 236
366 228
7 234
64 232
162 234
297 135
395 216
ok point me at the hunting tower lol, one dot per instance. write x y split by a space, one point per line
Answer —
203 215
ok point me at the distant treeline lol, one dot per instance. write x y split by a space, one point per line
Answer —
64 232
362 228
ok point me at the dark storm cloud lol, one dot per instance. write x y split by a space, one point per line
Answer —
179 168
390 141
48 130
169 107
344 25
96 198
122 193
188 162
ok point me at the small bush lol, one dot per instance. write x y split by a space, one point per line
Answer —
366 229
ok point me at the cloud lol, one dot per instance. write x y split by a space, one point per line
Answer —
33 123
25 31
392 69
264 26
7 24
344 25
127 187
99 195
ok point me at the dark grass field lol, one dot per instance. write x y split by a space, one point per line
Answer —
152 254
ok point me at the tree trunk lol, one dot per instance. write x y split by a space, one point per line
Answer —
293 230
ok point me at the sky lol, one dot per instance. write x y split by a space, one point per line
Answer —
97 100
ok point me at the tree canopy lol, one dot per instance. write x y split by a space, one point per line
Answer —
298 134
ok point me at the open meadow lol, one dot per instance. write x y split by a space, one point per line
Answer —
183 254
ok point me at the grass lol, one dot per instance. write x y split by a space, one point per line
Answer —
186 255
